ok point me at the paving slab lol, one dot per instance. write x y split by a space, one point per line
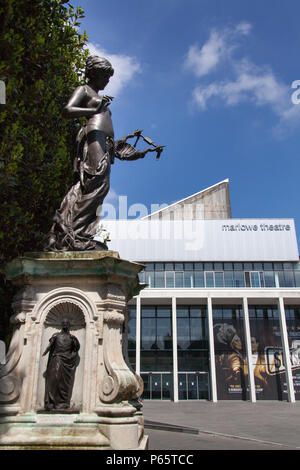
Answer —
223 425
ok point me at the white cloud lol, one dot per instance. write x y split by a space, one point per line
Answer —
204 60
250 84
242 82
243 28
218 48
125 68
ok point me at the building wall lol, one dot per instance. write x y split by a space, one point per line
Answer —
266 364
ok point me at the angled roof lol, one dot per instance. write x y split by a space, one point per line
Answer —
210 203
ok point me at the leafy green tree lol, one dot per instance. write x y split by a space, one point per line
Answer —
42 56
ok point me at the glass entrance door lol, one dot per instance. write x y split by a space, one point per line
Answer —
193 386
157 385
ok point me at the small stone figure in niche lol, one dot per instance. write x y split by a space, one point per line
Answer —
62 362
75 223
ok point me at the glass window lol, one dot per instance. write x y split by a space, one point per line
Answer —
169 279
239 279
159 266
142 277
289 313
131 312
227 313
183 333
188 279
218 266
238 266
164 333
131 328
209 279
228 278
159 279
163 311
208 267
247 279
238 312
169 266
149 267
198 266
182 312
289 279
148 311
281 279
297 278
149 278
178 266
228 267
255 279
251 312
148 333
287 266
268 266
259 313
197 311
258 266
217 313
248 267
188 266
178 279
199 279
262 279
198 330
269 279
154 361
278 266
269 313
219 279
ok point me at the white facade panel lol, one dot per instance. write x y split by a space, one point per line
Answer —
204 240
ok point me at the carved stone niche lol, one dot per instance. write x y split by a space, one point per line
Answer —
71 310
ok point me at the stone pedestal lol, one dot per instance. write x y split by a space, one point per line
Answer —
91 289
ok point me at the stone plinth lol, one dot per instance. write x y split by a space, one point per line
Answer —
91 290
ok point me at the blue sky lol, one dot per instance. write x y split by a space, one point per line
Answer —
211 80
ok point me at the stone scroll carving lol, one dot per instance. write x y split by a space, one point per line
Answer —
125 354
10 373
119 382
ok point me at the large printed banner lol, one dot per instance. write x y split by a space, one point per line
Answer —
213 240
267 359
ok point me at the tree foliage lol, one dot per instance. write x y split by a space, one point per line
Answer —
42 56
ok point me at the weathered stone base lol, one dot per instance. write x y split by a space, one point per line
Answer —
91 291
71 432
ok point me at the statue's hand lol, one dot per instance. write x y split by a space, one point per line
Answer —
105 100
158 149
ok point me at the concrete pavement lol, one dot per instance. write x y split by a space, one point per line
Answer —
230 425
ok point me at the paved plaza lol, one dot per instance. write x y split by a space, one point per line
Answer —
227 425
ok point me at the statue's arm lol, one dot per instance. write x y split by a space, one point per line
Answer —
74 108
51 341
76 344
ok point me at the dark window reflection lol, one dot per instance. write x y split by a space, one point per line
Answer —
156 339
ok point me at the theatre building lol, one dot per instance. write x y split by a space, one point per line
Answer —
219 317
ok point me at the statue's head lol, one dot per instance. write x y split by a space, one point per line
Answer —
65 324
98 71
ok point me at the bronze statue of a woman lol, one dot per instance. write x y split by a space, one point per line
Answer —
62 361
75 223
